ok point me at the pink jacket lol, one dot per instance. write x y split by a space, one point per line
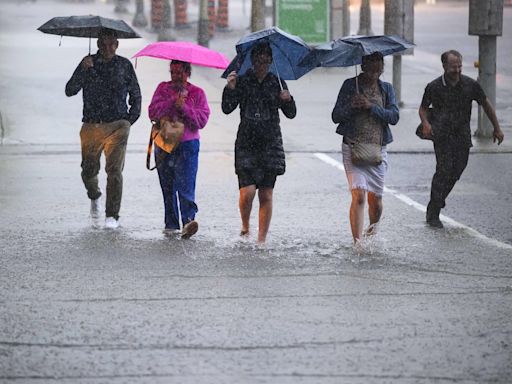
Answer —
194 114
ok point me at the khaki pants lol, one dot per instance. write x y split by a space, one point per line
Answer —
110 138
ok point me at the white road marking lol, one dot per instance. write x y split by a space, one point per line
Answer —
407 200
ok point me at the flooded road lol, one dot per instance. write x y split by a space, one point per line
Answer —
81 304
132 305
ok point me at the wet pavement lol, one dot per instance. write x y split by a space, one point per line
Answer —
80 304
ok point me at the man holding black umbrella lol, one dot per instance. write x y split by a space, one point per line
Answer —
106 80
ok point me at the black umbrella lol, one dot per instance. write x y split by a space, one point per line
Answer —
87 26
349 50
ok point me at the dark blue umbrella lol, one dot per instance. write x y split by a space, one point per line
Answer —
349 50
287 51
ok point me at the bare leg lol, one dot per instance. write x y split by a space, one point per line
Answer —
265 213
357 213
374 209
245 205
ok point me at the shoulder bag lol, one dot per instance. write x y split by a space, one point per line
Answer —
165 134
365 153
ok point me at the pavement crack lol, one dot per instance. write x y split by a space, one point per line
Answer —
397 378
199 347
463 273
500 290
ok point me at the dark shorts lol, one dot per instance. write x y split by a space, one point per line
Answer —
256 177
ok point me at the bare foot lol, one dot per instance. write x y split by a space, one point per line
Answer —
371 230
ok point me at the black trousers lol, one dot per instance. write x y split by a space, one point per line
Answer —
451 160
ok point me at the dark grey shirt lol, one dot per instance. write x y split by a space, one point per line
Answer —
451 114
106 87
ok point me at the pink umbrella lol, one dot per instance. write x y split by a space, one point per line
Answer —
185 51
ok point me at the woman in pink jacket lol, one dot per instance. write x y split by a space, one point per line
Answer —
182 101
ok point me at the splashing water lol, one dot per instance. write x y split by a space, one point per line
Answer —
371 245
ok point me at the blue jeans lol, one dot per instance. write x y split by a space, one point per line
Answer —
177 173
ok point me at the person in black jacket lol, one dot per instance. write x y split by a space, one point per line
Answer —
105 80
259 153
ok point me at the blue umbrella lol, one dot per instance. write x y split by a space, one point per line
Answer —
287 51
349 50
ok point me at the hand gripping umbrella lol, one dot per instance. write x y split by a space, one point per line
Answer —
287 51
184 51
87 26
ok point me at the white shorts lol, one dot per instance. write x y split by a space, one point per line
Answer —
367 177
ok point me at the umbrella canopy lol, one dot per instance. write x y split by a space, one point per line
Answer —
185 51
86 26
287 51
348 51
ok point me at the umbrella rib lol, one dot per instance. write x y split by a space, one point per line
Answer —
285 61
284 53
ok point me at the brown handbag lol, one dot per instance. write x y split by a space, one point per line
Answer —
165 134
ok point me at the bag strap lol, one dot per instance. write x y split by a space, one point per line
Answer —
150 147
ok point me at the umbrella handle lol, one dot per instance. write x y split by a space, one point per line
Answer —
357 81
278 77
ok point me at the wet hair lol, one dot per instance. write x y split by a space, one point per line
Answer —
444 56
262 48
106 33
375 57
187 68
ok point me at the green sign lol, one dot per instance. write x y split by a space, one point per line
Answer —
308 19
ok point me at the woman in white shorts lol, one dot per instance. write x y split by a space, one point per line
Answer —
364 109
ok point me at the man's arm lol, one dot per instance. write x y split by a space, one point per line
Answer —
427 128
426 101
76 83
491 114
134 97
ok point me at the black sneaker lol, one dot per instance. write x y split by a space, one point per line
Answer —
435 222
432 216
